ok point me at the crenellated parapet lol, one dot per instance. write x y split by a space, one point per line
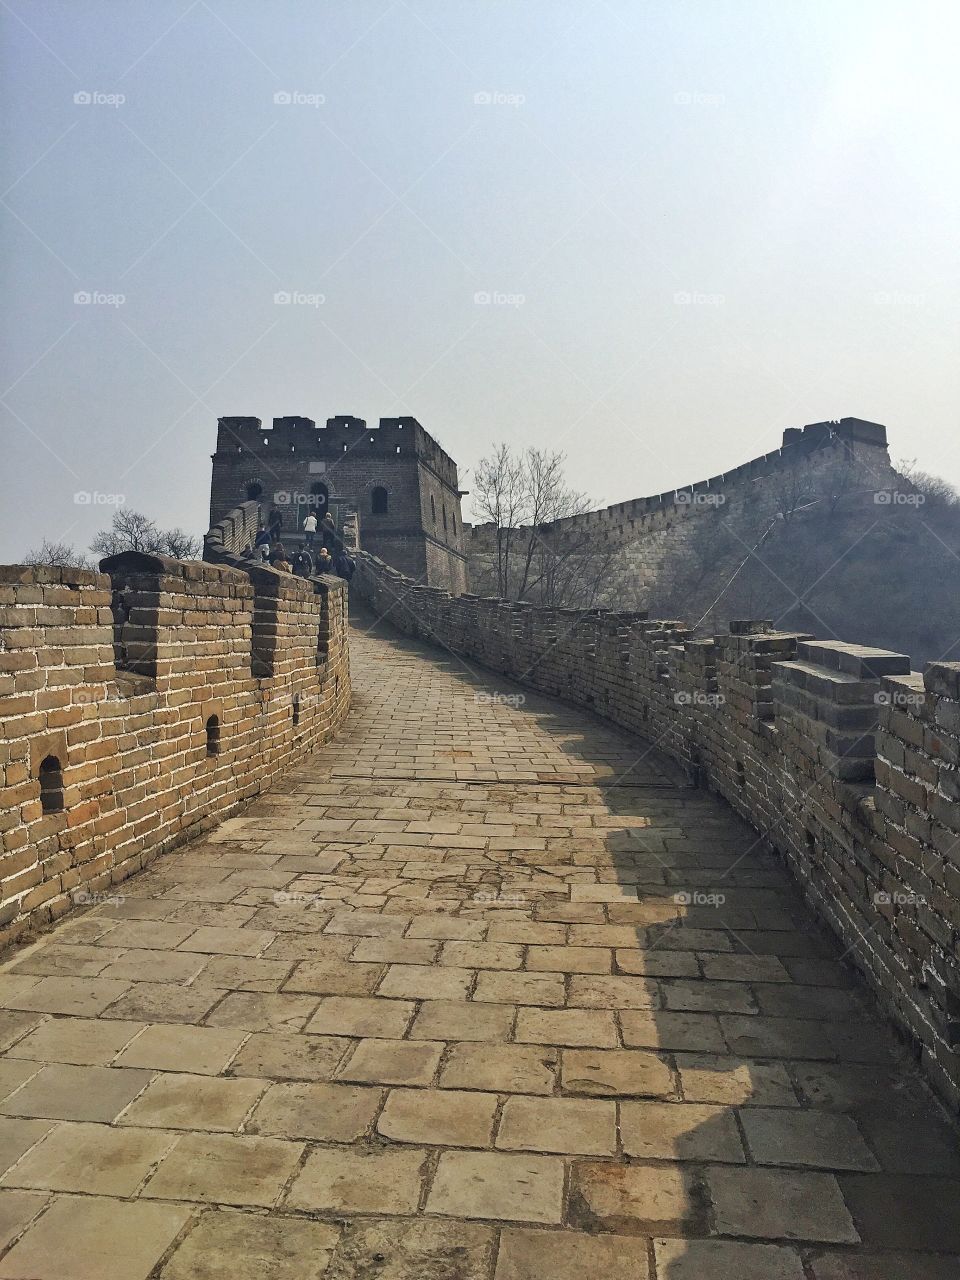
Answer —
845 763
143 704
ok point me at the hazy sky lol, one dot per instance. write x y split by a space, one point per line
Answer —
788 167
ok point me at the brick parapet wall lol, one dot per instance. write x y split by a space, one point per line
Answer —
115 675
845 763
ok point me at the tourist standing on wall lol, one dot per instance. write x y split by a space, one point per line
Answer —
310 528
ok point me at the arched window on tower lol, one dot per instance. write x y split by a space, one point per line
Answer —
433 509
51 785
379 501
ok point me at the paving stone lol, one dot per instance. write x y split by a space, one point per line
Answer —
529 1254
14 1025
17 1208
798 1138
171 1047
413 1249
425 982
355 1180
734 968
482 955
287 1056
634 1200
263 1011
567 959
165 1002
648 1029
175 1101
566 1027
150 934
598 992
502 1068
491 1184
321 1112
83 1042
444 928
243 973
709 997
463 1020
244 1246
888 1266
18 1136
222 1169
392 1062
396 951
445 1116
725 1260
217 940
779 1204
715 1078
576 1126
104 1240
545 989
616 1072
680 1131
357 1016
658 964
85 997
155 966
63 1092
335 978
897 1211
368 924
91 1158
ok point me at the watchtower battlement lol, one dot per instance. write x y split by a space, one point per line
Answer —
403 486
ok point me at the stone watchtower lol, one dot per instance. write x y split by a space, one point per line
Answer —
402 485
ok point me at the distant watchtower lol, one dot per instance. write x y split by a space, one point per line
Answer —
395 476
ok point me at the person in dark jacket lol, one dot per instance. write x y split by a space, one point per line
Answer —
343 566
324 561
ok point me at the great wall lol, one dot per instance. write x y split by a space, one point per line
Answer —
546 798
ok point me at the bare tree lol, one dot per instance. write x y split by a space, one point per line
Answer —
133 531
540 553
57 553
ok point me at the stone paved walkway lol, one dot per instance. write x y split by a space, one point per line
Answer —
483 991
